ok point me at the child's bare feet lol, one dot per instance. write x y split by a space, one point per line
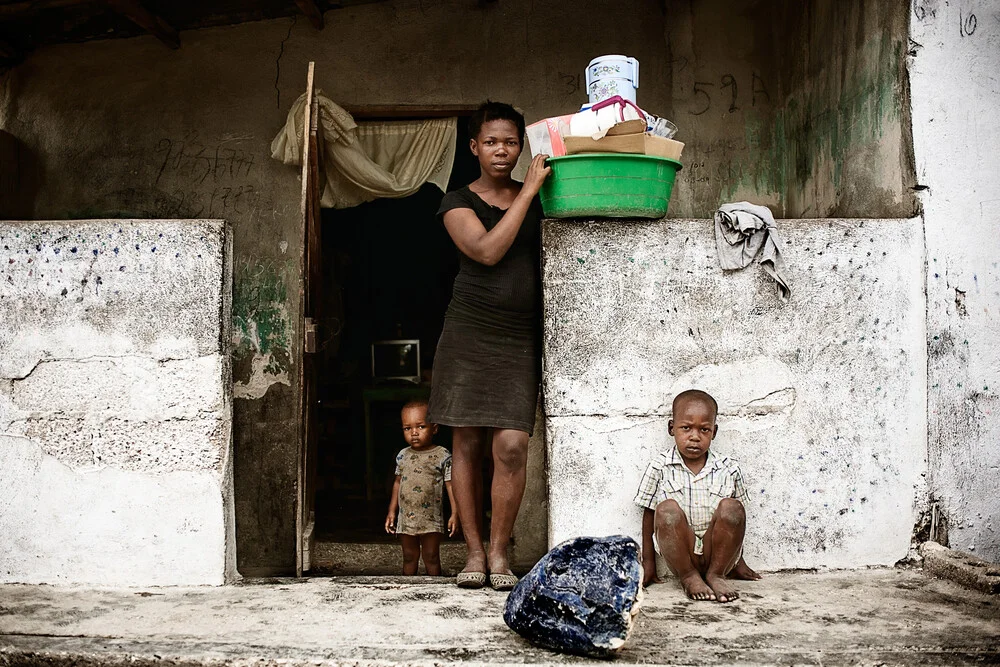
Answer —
696 588
724 592
743 571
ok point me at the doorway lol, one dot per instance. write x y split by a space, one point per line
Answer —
388 268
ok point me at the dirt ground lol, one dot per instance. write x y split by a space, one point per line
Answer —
870 617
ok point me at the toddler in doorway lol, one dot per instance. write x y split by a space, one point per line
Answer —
695 505
416 512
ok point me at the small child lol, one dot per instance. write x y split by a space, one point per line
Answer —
423 471
694 504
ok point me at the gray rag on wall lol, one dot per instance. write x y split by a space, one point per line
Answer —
744 230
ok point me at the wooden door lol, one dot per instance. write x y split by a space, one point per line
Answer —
310 285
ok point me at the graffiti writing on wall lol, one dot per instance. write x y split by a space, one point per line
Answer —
726 92
189 160
221 202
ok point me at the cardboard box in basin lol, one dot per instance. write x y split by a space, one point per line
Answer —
643 144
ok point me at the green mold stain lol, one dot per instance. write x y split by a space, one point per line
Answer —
826 121
259 297
866 102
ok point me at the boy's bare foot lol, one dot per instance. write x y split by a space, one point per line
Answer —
743 571
696 588
724 592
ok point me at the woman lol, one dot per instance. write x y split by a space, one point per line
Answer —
487 365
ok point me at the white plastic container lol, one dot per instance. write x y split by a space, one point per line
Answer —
597 119
612 75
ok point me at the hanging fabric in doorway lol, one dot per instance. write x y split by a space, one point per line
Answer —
371 160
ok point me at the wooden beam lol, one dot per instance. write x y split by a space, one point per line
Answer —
400 111
151 23
310 9
15 9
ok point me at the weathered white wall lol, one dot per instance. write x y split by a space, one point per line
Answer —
127 128
822 399
955 91
115 402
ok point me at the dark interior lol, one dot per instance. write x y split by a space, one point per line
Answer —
388 269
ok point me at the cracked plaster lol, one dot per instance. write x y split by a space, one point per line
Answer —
115 402
822 399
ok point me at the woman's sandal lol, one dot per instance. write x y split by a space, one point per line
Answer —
471 579
502 582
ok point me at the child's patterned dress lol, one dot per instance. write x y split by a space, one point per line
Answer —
421 489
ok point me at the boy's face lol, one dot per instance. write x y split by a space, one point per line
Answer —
693 428
416 430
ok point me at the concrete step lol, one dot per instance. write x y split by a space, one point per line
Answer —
843 617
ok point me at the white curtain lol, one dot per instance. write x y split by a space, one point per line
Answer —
371 160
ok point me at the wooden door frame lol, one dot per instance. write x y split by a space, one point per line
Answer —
310 302
309 306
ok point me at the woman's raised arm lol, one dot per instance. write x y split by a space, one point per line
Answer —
489 247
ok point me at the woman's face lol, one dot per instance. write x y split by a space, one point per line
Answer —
498 145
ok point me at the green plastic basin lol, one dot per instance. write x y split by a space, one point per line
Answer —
608 185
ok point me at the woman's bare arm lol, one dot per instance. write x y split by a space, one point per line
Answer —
489 247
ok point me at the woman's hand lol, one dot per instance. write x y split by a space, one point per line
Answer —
390 524
537 172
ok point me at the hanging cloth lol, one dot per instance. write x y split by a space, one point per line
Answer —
371 160
744 230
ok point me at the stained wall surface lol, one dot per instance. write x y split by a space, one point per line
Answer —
956 94
821 399
128 128
799 105
115 403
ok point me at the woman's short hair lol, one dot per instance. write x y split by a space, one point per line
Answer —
490 110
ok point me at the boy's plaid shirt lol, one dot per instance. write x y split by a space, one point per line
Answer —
668 478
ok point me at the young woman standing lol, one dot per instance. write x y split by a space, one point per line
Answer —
488 361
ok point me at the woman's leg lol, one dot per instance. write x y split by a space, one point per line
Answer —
411 553
467 483
510 463
430 551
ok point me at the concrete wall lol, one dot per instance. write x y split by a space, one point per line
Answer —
799 105
822 399
843 133
115 403
956 94
127 128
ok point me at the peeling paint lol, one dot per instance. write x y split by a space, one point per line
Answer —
261 337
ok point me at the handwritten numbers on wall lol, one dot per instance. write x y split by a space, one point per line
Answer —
728 87
923 10
967 24
571 83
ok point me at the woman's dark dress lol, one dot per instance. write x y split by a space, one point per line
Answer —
487 366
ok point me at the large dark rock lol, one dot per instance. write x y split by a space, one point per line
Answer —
580 597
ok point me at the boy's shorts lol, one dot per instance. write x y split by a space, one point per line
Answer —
699 544
699 548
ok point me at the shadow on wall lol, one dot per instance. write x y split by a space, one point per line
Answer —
19 178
